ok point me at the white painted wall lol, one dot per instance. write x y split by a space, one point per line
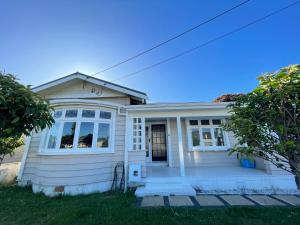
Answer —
79 173
80 169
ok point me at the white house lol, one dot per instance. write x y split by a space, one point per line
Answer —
167 148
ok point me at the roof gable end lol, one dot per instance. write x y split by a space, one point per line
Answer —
93 80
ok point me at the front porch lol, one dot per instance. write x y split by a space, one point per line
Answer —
235 179
181 136
183 148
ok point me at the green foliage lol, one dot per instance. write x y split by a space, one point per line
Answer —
267 120
21 112
8 145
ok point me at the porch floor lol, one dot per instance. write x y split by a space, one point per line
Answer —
161 171
233 179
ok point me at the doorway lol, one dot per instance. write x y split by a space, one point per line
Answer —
156 143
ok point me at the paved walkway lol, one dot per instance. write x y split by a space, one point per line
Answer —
219 200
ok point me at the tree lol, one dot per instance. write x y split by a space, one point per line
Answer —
21 112
228 97
267 120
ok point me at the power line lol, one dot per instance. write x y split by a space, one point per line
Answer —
208 42
170 39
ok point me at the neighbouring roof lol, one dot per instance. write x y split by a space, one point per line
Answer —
94 80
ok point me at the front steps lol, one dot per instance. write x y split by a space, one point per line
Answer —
165 189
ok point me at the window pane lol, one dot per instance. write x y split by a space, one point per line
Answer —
57 114
204 122
195 137
105 115
193 122
216 122
218 132
68 135
103 135
53 135
207 137
71 113
86 135
88 113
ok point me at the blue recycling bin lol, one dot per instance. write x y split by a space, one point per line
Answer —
247 163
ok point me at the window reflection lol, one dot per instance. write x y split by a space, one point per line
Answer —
86 135
68 135
103 135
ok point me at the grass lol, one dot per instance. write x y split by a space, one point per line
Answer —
21 206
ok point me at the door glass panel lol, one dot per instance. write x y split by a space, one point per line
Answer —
53 135
103 135
207 137
86 135
159 148
68 135
219 137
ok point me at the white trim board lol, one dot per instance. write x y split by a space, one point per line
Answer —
26 149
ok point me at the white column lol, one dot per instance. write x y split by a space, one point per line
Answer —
169 143
143 134
127 141
180 147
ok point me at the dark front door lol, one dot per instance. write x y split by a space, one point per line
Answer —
159 147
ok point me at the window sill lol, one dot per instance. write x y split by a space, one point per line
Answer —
74 152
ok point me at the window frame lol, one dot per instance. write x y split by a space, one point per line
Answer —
131 136
199 127
78 120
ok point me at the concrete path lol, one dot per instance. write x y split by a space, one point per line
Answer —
219 200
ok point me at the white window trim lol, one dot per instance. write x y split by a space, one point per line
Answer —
199 127
44 150
143 141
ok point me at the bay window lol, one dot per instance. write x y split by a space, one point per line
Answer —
206 134
80 130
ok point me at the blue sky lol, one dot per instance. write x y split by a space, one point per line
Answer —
44 40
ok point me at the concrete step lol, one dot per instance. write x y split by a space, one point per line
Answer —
166 189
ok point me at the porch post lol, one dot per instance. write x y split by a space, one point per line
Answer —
180 147
127 136
169 147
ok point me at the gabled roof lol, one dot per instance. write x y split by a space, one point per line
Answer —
94 80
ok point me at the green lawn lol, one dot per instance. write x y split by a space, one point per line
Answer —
21 206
